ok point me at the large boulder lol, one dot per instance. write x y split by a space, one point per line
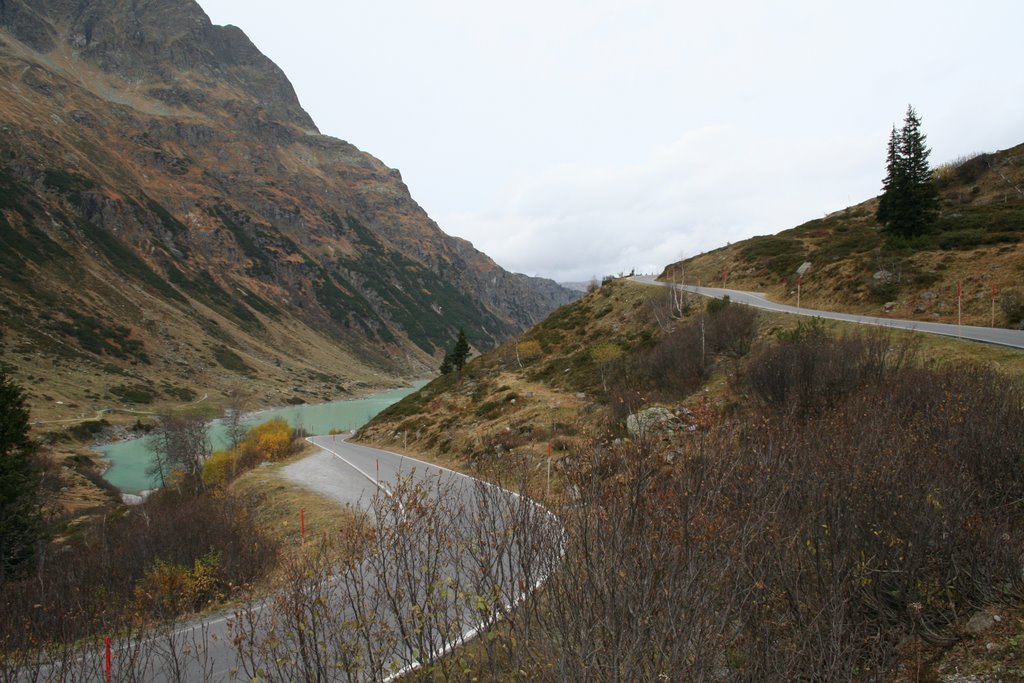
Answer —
654 422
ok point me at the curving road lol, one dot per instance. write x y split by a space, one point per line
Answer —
987 335
463 554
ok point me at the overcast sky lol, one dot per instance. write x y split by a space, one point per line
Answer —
578 138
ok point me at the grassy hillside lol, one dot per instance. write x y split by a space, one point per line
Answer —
855 267
835 502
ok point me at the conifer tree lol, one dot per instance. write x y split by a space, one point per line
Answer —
460 354
909 202
19 482
446 364
457 357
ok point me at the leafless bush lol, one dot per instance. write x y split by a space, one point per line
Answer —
683 358
676 365
669 306
180 444
890 519
99 582
1012 303
793 550
445 557
810 372
646 590
731 330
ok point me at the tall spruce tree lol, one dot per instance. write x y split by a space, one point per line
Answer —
909 202
460 353
19 483
457 357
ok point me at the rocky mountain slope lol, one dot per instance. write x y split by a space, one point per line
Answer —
978 242
172 223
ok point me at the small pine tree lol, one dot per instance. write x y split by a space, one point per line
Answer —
19 482
892 180
457 357
460 354
909 202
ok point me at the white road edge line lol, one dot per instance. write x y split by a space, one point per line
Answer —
476 630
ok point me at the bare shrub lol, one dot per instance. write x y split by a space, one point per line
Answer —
1012 303
675 366
98 582
180 445
684 357
809 371
731 330
645 593
669 306
445 556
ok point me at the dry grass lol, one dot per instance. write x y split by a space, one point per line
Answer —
847 248
278 502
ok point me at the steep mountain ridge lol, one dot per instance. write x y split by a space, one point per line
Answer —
171 217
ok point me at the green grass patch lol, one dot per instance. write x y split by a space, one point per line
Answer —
94 336
133 393
230 360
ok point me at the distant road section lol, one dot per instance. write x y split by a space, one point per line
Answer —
987 335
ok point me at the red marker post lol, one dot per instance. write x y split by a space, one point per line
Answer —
302 523
106 667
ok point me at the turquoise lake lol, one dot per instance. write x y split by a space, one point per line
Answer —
129 459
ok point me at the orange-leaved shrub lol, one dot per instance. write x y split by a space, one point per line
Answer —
270 441
172 589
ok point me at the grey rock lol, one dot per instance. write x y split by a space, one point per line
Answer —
883 277
651 421
981 622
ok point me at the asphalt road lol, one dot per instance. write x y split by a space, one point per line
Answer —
988 335
486 558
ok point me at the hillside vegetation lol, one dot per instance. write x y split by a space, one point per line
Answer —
978 241
173 225
811 500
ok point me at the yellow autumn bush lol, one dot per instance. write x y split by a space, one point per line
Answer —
220 467
272 439
175 588
269 441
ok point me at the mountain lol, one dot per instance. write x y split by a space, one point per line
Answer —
977 244
173 223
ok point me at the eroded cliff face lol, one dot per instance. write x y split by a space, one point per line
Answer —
170 217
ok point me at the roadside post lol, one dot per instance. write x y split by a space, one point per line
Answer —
302 523
549 471
959 307
993 324
106 666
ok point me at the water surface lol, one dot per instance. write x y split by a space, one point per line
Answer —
129 459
